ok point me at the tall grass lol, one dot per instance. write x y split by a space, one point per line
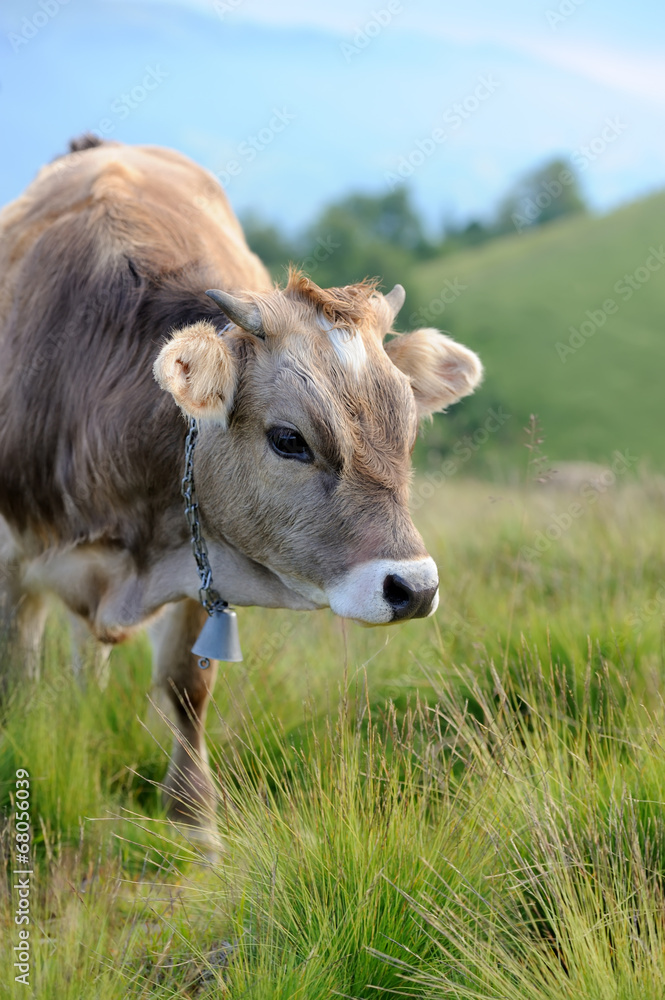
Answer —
465 807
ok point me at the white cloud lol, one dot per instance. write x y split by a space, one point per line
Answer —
635 73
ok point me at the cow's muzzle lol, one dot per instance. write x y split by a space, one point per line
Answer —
384 591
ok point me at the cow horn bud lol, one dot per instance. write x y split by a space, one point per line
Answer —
395 299
244 314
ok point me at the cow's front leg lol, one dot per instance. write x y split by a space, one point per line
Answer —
189 791
22 623
89 652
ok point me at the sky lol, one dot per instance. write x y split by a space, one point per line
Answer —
292 104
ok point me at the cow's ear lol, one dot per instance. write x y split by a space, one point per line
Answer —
440 371
197 367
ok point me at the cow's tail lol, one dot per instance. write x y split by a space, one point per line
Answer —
86 141
82 142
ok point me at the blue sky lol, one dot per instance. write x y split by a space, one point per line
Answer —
295 103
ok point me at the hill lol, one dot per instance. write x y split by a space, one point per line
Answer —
568 320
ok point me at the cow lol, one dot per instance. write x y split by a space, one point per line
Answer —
307 417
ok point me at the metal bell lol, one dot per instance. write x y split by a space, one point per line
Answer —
219 639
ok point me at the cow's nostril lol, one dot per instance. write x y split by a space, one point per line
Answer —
397 593
405 601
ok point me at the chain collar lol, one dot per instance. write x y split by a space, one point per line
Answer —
208 596
218 639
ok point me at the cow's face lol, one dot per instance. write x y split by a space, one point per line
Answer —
307 426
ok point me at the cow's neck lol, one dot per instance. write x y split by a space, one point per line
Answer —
104 585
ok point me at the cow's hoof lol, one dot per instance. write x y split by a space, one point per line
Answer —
194 818
204 841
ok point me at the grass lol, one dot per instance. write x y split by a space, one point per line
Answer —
468 806
516 298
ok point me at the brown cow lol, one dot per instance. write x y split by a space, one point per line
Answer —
307 424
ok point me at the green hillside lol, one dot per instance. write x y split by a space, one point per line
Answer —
596 390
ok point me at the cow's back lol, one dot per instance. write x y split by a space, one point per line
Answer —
106 251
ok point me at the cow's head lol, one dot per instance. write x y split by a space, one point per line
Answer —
308 423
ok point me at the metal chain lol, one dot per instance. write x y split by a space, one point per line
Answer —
209 597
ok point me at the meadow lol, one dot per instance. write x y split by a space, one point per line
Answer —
567 320
469 806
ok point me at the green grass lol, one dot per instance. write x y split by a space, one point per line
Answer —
468 806
521 295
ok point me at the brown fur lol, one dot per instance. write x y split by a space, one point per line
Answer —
354 305
108 251
98 263
439 370
197 367
104 262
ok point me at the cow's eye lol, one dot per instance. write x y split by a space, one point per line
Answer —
288 443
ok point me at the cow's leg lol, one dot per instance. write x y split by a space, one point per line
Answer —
23 616
88 652
31 615
7 613
22 613
189 790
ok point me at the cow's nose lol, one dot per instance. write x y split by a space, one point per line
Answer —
405 600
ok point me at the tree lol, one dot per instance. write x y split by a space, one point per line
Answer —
549 192
388 218
458 236
365 235
266 240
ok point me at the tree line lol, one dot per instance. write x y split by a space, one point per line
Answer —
366 235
